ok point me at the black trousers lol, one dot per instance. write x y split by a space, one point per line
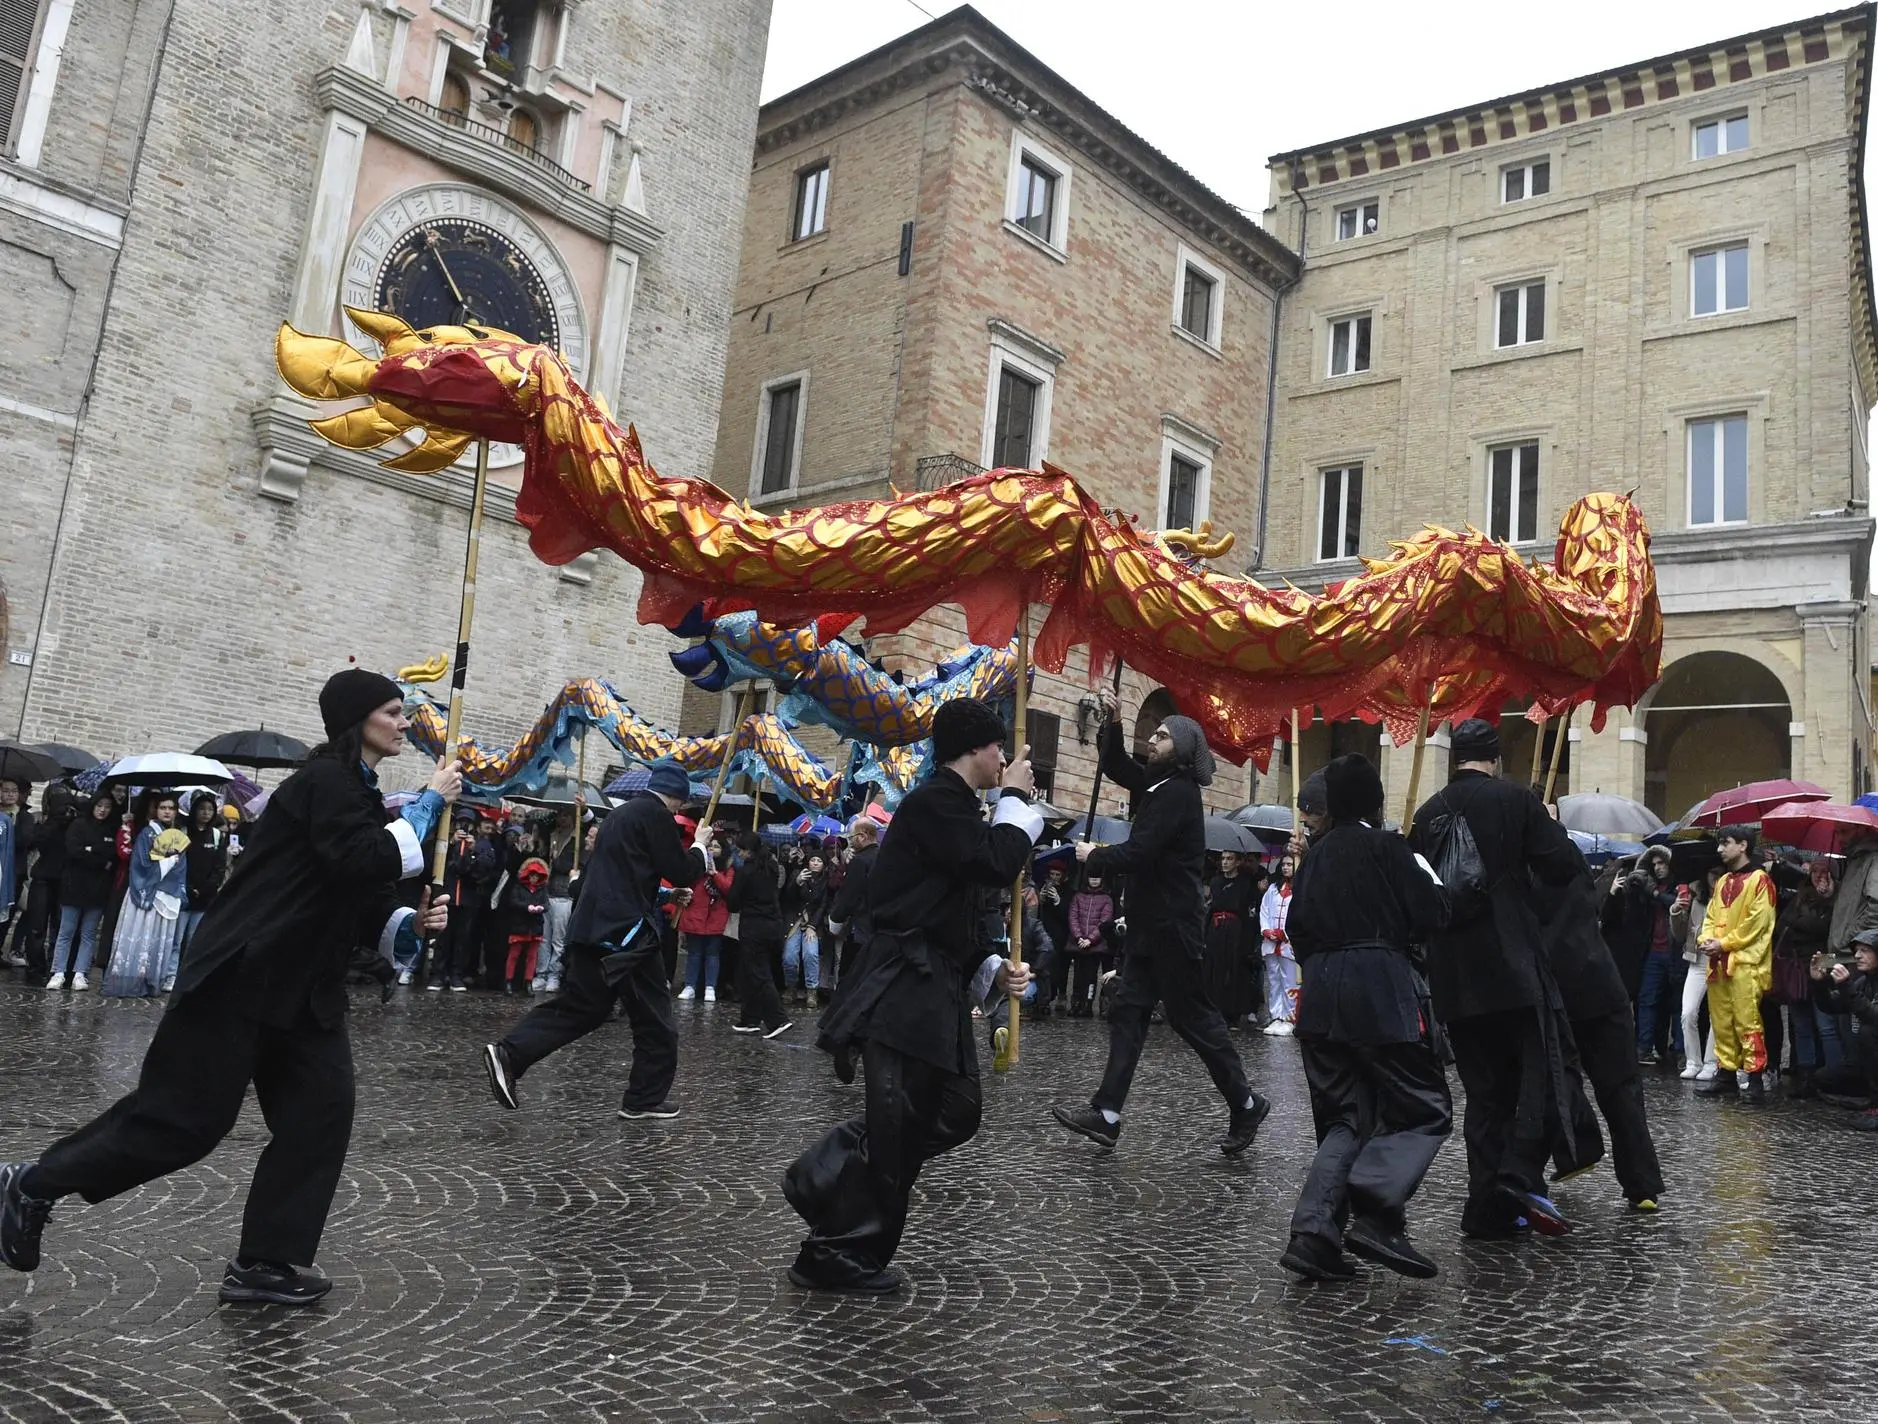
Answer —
1085 973
1607 1055
463 941
586 1002
853 1185
760 953
1502 1062
1382 1113
1171 979
205 1052
32 925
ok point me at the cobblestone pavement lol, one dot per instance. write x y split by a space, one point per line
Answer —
559 1264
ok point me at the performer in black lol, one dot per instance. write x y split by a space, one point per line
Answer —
908 1006
1603 1029
1163 859
260 998
614 949
1493 989
1360 904
759 939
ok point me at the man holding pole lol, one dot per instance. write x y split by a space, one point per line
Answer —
1164 859
907 1008
613 949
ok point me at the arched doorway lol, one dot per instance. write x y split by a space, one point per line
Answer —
1324 742
1717 719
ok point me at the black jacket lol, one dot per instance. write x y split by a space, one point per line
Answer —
206 862
753 897
49 841
1589 983
849 906
1359 905
1490 962
639 845
1857 998
318 876
90 862
1164 856
941 864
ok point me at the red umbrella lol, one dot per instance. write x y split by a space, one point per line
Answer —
1746 805
1817 825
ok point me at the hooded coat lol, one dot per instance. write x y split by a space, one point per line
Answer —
1164 857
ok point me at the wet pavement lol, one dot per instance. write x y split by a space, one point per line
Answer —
559 1264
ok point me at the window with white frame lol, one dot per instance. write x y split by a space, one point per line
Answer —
1718 470
1519 314
811 211
1358 220
20 23
779 434
1184 494
1340 513
1349 345
1037 196
1718 280
1513 492
1526 180
1199 292
1710 138
1014 426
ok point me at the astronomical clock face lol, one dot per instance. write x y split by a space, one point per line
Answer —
452 255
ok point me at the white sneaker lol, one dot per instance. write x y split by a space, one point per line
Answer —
80 983
534 985
554 985
1282 1029
1707 1075
687 993
404 976
1691 1069
710 996
55 983
169 985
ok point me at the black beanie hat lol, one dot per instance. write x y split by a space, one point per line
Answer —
351 696
1353 789
1311 794
961 726
1476 739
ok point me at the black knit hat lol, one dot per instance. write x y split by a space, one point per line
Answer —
351 696
1311 794
962 726
1353 789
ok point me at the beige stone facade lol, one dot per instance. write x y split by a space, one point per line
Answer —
893 293
1656 279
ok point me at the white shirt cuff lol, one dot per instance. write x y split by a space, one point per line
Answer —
1426 866
986 976
387 942
410 848
1016 811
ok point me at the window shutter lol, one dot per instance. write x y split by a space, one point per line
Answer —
19 34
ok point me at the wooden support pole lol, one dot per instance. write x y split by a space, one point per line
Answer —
1558 749
1019 732
1415 770
1297 771
580 799
1538 750
746 703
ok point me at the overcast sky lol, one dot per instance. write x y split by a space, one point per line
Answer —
1220 85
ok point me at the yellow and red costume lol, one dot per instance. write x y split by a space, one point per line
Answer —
1741 917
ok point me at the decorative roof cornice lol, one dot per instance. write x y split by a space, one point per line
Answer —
968 49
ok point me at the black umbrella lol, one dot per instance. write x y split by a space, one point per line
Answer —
1267 822
557 794
18 763
71 760
1222 834
258 749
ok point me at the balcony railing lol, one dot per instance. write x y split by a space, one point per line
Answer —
490 134
933 472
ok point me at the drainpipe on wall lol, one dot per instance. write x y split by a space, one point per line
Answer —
1271 380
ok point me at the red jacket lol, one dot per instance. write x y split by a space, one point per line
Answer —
709 912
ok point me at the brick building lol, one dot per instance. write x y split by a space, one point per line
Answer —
181 555
953 260
1659 278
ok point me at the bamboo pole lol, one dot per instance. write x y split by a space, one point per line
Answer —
1020 731
1558 748
745 703
1415 770
459 670
1297 772
1538 750
1095 791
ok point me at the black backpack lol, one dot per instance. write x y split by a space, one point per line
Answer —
1456 859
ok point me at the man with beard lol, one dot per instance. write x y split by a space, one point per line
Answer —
1379 1095
1491 985
1163 859
907 1008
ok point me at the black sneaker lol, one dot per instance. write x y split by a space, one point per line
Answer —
501 1076
1756 1090
1091 1124
1722 1085
1316 1259
878 1283
1244 1126
781 1029
269 1283
662 1111
1368 1239
22 1218
1539 1212
746 1028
